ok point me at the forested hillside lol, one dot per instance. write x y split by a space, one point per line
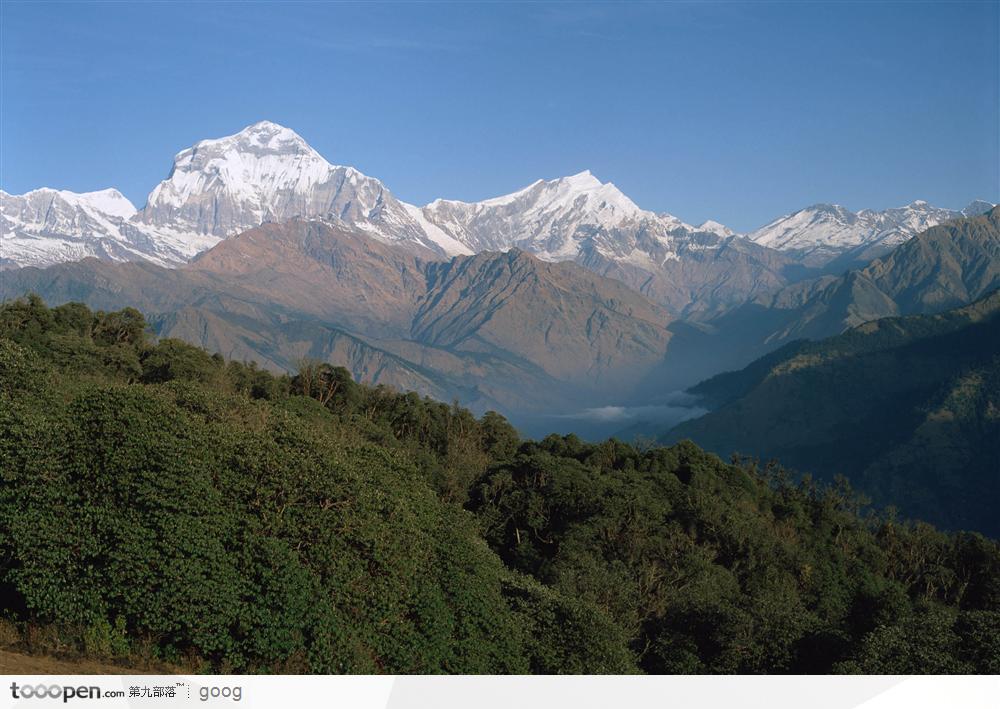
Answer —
156 499
907 408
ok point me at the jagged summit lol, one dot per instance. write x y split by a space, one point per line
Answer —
713 227
46 226
107 202
548 218
569 186
266 172
265 136
821 233
269 173
238 181
977 207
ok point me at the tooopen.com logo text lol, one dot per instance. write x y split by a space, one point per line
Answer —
58 691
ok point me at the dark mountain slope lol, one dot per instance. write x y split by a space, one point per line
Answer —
905 407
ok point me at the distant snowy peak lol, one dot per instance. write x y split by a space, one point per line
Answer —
821 233
45 202
713 227
109 201
47 226
977 207
553 219
581 192
266 172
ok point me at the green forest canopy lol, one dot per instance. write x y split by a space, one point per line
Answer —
153 494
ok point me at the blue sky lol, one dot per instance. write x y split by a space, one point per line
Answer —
731 111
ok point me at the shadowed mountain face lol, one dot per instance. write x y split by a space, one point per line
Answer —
907 408
946 266
493 330
577 326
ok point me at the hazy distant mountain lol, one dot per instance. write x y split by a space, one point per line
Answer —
826 234
944 267
573 324
494 330
908 408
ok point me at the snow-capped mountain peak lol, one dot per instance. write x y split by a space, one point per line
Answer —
268 173
46 226
823 232
108 201
50 209
549 218
251 168
602 201
713 227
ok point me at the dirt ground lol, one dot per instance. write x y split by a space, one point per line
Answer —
15 663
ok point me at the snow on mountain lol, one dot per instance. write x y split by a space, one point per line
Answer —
268 173
713 227
579 218
47 226
215 189
821 233
557 220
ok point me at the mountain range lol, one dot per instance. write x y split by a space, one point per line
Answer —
832 237
944 267
267 173
495 330
559 297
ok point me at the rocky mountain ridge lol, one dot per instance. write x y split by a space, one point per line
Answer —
267 173
832 236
